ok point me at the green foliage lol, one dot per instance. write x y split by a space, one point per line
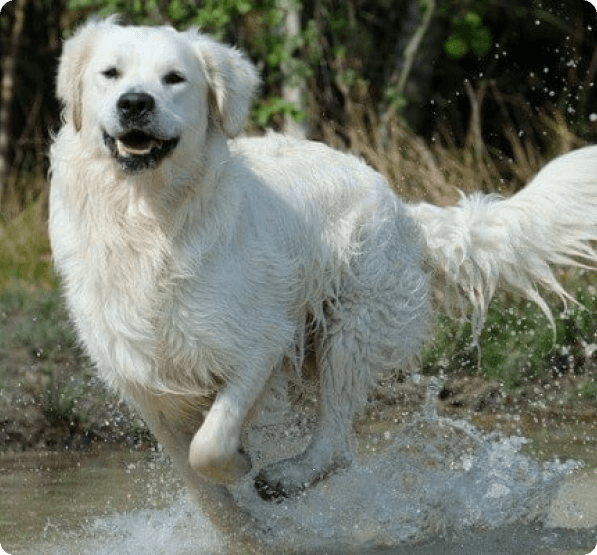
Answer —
61 398
517 343
136 10
265 112
393 97
470 34
215 16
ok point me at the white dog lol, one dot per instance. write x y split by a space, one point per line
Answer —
197 264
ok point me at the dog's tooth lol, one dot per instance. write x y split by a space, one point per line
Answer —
128 151
121 149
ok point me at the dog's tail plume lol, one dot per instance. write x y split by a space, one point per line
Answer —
485 239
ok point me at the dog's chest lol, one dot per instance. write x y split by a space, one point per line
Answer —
174 315
227 308
183 325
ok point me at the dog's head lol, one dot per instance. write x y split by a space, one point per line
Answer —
140 94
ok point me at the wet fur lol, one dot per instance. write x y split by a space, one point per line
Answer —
193 282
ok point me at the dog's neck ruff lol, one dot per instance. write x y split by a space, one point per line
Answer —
142 151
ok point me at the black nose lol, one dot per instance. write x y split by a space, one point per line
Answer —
135 105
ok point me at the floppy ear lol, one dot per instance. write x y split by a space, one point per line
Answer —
232 79
75 53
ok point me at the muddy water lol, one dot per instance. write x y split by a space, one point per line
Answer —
439 487
42 495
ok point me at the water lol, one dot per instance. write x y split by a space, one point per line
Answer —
441 486
437 476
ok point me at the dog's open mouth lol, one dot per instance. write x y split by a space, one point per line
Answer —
137 143
138 150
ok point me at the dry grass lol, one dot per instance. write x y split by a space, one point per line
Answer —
419 170
435 171
24 245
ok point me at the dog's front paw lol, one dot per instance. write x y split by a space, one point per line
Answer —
223 463
226 471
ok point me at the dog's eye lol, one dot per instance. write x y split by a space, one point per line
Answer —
111 73
173 78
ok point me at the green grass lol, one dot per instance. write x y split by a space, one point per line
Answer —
518 344
587 391
61 398
45 330
37 342
42 366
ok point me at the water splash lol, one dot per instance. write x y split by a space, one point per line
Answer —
438 478
178 530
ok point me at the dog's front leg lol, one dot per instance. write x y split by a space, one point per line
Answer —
236 526
215 451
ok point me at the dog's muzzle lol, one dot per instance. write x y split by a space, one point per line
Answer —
138 147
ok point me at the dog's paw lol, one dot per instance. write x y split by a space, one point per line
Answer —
290 477
273 487
215 451
269 492
270 488
225 471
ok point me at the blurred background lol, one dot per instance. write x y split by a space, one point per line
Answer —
492 76
507 82
439 95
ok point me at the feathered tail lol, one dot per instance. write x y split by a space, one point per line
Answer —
487 239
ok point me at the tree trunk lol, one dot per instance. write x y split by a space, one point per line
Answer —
291 91
7 88
418 45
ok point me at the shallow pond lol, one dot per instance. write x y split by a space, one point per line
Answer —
439 487
49 495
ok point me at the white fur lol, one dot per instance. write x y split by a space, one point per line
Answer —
486 239
191 282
